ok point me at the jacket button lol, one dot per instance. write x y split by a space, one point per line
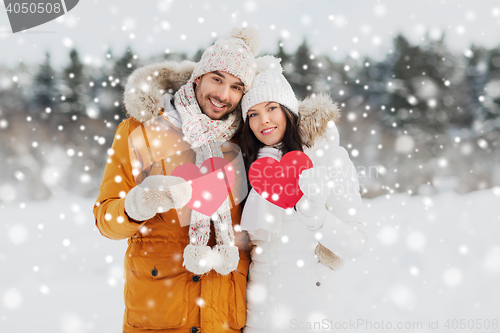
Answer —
318 284
194 329
195 278
154 272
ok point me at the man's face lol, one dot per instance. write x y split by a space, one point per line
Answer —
218 93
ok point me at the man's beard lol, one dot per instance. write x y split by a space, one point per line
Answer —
206 108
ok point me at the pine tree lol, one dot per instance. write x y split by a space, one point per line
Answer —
417 88
197 55
305 72
109 86
124 66
74 84
470 89
494 83
399 87
286 61
45 92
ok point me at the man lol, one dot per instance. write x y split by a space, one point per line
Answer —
177 279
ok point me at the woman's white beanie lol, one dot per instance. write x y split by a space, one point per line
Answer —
269 85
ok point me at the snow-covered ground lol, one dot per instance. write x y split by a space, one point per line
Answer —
430 258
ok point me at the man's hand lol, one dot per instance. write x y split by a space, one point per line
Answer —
157 194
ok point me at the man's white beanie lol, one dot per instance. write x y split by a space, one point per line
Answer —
269 85
234 55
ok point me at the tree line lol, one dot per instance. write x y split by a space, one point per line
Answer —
427 119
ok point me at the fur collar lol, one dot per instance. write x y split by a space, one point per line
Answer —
146 86
315 112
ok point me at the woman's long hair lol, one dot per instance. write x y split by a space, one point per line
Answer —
250 145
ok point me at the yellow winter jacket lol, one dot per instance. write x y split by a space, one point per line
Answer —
160 294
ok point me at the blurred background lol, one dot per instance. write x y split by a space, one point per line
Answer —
419 86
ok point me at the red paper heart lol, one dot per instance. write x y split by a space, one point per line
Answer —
278 182
211 183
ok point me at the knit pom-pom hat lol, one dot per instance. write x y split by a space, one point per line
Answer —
234 55
269 85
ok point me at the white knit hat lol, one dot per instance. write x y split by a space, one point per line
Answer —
269 85
234 55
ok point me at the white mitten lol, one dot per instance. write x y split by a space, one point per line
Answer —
157 194
312 205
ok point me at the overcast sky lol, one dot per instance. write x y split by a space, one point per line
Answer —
337 28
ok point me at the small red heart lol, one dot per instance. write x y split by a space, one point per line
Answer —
211 183
278 182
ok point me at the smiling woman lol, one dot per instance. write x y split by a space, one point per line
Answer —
268 122
295 279
273 124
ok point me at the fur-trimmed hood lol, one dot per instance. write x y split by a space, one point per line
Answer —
146 86
315 112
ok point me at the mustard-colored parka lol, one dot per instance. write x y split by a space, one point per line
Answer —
160 294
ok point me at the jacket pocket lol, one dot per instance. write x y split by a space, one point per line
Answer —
236 302
156 292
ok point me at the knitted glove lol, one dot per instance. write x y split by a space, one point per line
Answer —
312 205
157 194
328 258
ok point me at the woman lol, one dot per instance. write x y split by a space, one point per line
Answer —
297 252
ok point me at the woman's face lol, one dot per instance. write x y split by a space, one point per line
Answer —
268 122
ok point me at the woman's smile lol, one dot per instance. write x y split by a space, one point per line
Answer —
268 131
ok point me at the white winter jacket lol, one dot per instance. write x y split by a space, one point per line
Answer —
289 290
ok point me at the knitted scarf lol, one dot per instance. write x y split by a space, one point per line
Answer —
206 136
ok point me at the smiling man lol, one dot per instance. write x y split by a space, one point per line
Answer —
218 93
179 278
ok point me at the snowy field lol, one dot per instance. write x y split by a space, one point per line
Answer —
430 258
